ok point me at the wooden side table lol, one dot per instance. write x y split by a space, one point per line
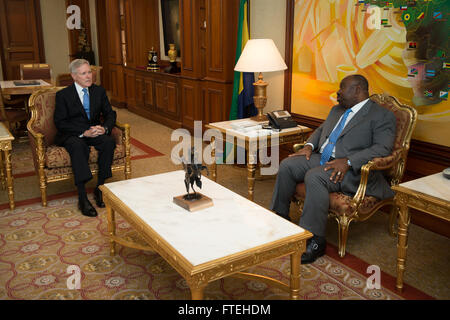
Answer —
6 139
430 194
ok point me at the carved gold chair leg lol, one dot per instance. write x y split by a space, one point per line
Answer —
126 141
2 171
392 221
295 217
343 224
44 195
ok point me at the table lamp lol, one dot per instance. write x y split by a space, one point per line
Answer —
260 55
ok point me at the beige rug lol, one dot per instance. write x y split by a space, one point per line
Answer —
37 246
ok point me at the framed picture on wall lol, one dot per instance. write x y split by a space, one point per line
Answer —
402 49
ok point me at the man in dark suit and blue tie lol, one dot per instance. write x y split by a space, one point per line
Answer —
84 118
355 131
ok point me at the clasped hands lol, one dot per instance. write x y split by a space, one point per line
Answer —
94 131
339 166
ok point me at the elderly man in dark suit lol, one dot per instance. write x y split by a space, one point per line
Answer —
84 118
355 131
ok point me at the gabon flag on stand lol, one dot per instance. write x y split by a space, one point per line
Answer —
242 105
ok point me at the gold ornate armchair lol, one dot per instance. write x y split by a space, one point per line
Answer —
361 207
51 162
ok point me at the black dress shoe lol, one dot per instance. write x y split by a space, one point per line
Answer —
98 198
86 208
314 249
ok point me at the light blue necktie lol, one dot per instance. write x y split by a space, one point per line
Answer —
328 150
86 103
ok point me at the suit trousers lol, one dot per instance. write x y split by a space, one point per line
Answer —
78 149
297 169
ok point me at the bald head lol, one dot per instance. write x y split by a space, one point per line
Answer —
360 81
352 90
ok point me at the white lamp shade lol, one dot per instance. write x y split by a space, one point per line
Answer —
260 55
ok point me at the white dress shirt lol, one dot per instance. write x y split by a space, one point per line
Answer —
354 109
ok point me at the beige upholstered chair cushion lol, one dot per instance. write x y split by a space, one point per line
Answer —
58 157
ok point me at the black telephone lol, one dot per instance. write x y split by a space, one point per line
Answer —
281 119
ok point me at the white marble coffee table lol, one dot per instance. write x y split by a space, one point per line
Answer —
430 194
209 244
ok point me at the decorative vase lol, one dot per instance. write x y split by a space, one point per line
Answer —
172 52
173 68
152 60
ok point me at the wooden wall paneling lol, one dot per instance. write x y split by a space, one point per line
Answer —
113 32
167 95
160 95
130 24
139 91
215 32
117 86
202 38
149 94
190 25
102 42
151 32
21 35
190 103
130 86
216 101
222 16
173 106
142 30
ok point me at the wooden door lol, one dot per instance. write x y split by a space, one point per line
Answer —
21 35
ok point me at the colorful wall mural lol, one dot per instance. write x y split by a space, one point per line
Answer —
400 46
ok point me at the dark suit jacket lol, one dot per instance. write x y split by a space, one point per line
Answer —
369 134
71 118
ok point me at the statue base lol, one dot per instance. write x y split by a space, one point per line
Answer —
198 203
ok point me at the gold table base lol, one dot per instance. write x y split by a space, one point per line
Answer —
197 277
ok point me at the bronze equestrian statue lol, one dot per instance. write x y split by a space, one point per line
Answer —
193 174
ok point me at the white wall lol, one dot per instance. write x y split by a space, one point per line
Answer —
56 39
268 20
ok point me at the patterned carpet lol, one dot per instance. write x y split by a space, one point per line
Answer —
22 159
37 246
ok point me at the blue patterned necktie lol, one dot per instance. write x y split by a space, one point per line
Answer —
328 150
86 103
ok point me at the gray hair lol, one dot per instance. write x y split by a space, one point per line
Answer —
75 64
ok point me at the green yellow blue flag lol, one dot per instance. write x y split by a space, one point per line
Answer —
242 105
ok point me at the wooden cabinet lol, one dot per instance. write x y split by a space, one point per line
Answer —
156 96
130 86
203 89
190 103
117 85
